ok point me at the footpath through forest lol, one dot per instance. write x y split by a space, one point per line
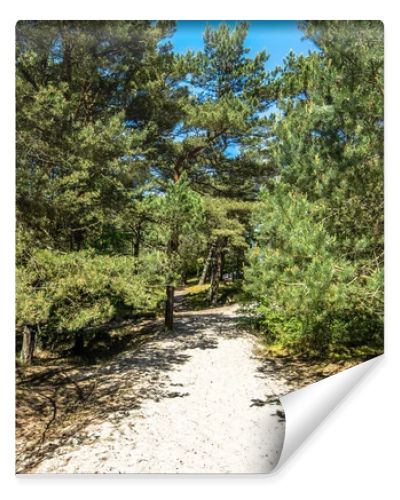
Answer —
196 400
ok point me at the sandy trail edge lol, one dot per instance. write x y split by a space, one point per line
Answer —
220 414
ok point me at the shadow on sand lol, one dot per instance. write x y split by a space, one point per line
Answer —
59 398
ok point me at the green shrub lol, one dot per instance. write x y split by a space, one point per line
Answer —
306 295
67 292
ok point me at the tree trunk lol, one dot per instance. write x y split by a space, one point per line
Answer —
216 275
136 247
239 264
170 288
221 271
79 343
169 308
173 247
206 267
77 239
137 241
28 345
184 276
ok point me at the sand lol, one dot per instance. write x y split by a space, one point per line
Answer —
218 413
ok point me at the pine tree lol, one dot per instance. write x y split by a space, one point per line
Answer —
325 151
77 133
215 108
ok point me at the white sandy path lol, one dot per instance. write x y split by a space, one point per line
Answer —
218 419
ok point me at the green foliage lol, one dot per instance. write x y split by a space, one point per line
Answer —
126 179
180 209
179 214
316 269
78 85
306 295
68 292
328 141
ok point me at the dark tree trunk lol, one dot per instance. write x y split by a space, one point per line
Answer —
71 242
137 241
221 271
169 308
79 343
170 288
206 266
136 247
68 61
77 238
173 247
216 275
28 344
239 264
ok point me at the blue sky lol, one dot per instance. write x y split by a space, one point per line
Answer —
276 37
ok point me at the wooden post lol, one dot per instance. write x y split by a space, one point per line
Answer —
28 344
79 343
169 308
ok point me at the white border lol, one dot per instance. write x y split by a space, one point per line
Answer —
349 455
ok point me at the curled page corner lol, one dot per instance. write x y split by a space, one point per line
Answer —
306 408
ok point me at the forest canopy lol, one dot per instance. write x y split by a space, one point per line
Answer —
127 186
